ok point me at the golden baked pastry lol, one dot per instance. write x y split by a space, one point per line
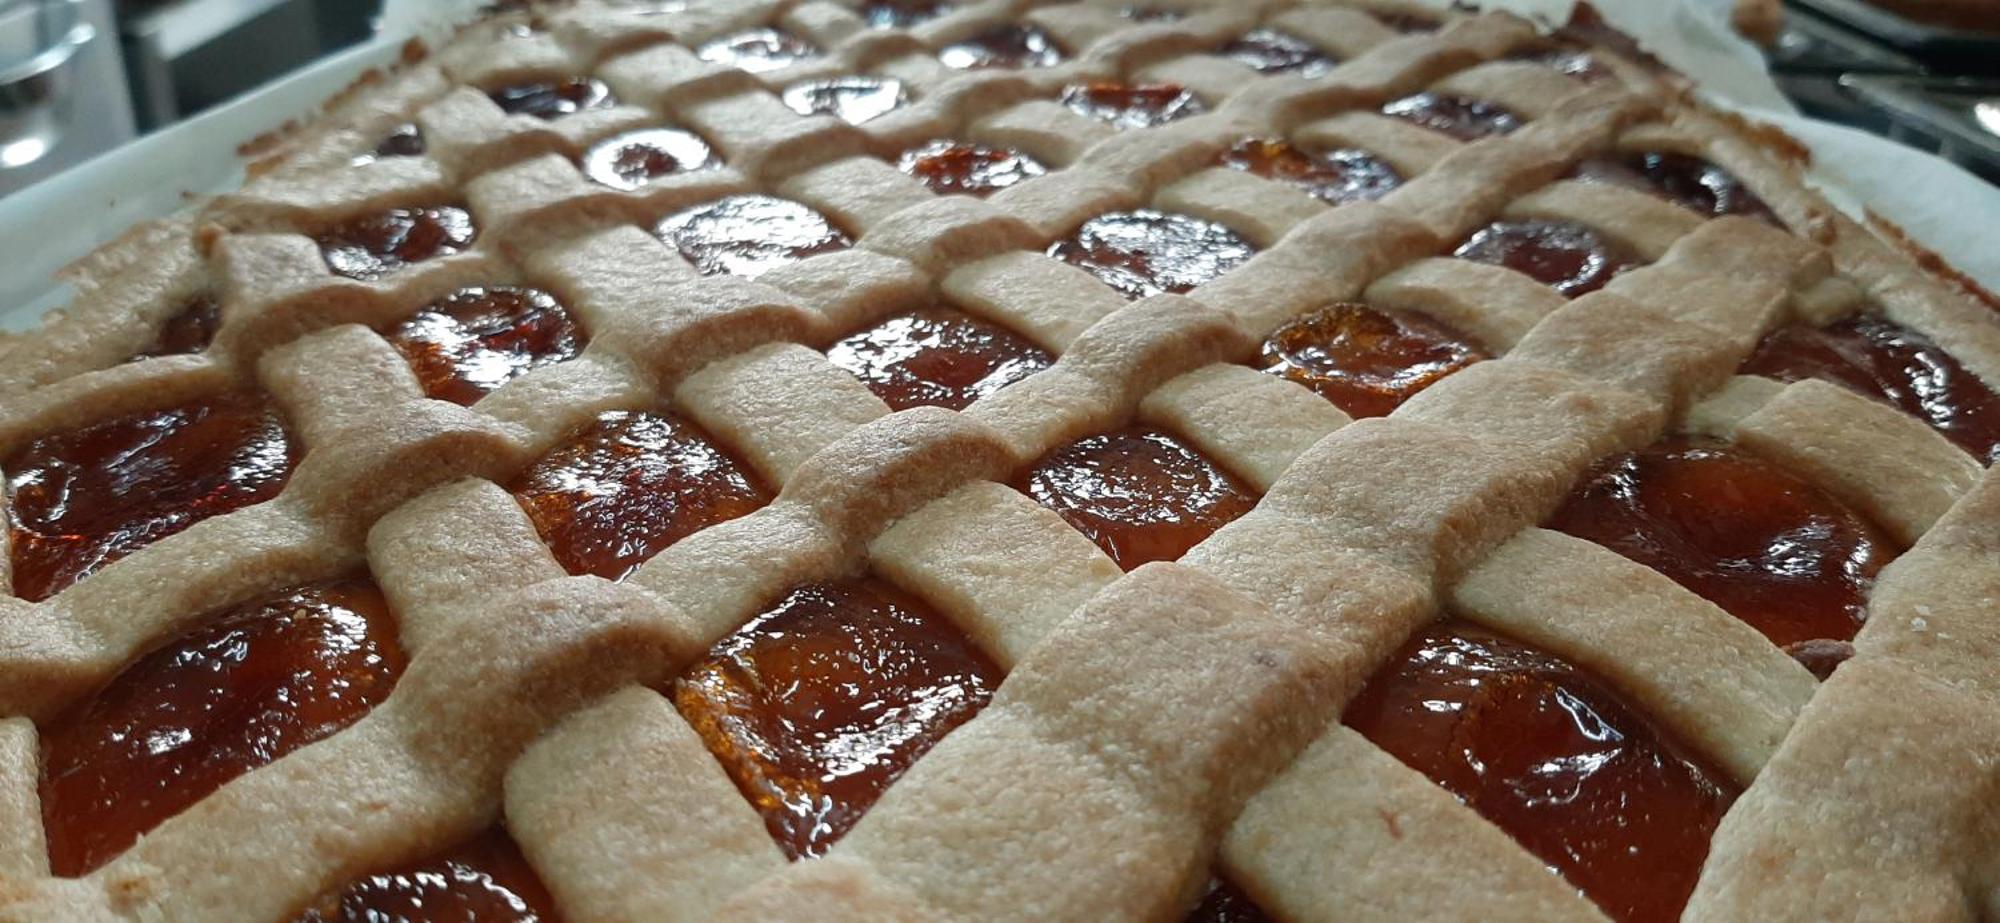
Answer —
910 460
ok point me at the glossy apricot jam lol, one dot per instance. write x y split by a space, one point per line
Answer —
937 357
1223 902
248 687
1333 177
854 99
373 246
1005 46
1881 358
1269 51
824 699
1555 757
483 880
1762 543
476 339
901 14
1563 255
1128 105
635 158
1140 494
959 168
552 99
757 50
189 331
1679 178
1457 116
1366 361
1145 252
86 497
629 485
749 235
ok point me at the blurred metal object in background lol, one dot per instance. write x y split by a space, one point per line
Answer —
62 88
1957 118
187 55
1933 87
39 44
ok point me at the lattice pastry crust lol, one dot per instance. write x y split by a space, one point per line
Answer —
1152 725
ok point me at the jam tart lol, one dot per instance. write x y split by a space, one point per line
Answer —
1104 460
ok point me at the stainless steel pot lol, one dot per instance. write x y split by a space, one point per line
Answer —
39 41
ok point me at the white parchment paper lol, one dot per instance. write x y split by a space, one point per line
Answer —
45 227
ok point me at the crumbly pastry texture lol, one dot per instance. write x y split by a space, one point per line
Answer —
1152 725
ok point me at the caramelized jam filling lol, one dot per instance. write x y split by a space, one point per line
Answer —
1145 252
373 246
635 158
1224 902
1333 177
483 880
189 331
749 235
1554 757
1269 51
86 497
1457 116
757 50
1881 358
824 699
1140 494
937 357
1132 106
853 100
1678 178
958 168
1008 46
1366 361
1764 544
901 14
629 485
249 687
477 339
553 99
1563 255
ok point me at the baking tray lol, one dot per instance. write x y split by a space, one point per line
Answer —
1959 50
